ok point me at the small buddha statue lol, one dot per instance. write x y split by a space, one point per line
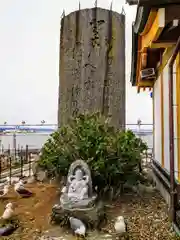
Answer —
78 187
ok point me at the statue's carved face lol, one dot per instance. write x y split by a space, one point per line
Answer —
79 174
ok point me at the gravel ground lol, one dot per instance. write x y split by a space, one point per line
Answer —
147 216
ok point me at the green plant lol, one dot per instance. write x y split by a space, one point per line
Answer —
112 155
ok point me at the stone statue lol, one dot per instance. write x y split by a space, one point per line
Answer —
77 199
78 188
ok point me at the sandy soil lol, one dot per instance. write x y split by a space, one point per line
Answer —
146 216
33 213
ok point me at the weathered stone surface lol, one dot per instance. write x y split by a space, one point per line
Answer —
38 173
51 238
92 217
77 193
31 180
76 200
92 65
35 168
41 176
66 203
85 168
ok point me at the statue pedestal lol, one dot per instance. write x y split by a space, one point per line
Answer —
79 185
92 216
67 203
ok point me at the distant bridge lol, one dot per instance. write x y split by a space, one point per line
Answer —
51 128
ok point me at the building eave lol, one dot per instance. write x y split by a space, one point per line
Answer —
138 26
157 3
134 56
152 3
155 28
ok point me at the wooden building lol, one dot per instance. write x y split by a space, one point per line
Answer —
156 66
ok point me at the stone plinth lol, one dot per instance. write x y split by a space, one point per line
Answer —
92 217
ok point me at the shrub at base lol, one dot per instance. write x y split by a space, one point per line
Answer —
113 156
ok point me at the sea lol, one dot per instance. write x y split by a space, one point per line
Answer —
36 139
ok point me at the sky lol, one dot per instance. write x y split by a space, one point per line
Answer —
29 60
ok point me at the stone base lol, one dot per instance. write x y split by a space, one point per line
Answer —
93 217
66 203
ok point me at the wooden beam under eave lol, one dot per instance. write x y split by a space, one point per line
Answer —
139 89
132 2
155 30
162 44
150 21
144 41
165 58
146 83
139 62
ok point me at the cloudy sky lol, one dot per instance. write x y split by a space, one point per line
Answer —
29 55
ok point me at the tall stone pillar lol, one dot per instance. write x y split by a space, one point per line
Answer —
92 65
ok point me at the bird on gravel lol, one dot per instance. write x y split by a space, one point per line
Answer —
121 227
21 190
63 190
78 227
7 230
8 212
4 191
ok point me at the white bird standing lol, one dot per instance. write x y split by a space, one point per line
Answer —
63 190
8 213
77 226
121 227
4 191
13 180
21 190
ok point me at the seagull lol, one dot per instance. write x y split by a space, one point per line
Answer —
21 190
64 189
12 180
8 213
7 230
120 227
4 191
77 226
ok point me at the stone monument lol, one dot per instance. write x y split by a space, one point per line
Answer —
77 198
92 65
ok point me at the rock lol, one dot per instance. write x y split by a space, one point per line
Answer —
53 234
38 173
145 189
51 238
38 205
35 168
53 181
41 176
92 217
38 231
31 180
37 157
